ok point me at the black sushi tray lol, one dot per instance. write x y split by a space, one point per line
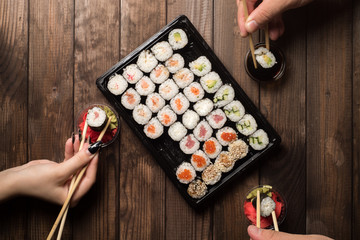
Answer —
166 151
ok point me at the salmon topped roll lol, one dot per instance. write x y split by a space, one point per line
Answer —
130 98
199 160
185 173
175 63
153 129
212 147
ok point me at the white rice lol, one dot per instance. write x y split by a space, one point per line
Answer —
211 175
189 144
175 63
203 131
238 149
183 77
200 66
247 125
216 119
234 111
177 131
224 96
162 50
117 84
264 57
153 129
194 92
267 205
145 86
199 160
166 116
259 140
168 89
208 147
178 39
204 107
96 118
155 102
224 162
185 173
211 82
179 103
132 74
197 189
146 61
130 99
190 119
223 137
159 74
141 114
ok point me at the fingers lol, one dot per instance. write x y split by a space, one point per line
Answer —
241 16
76 143
69 149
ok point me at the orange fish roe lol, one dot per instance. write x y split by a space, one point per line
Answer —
195 91
151 129
210 147
130 98
228 136
199 160
166 118
185 174
178 104
144 84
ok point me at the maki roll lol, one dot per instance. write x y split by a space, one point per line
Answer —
194 92
96 118
200 66
177 131
226 135
199 160
189 144
259 140
211 82
224 96
159 74
247 125
185 173
132 74
190 119
224 162
179 103
203 107
211 175
155 102
162 50
175 63
166 116
117 84
146 61
168 89
264 57
141 114
130 99
145 86
238 149
203 131
197 189
216 119
234 111
212 147
178 39
153 129
183 77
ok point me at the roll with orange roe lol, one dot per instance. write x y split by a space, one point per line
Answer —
185 173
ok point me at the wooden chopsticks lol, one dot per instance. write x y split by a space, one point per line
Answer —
251 42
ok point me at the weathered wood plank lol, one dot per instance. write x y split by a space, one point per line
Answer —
142 181
329 119
13 108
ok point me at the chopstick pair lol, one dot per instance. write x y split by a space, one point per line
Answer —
74 184
258 213
251 42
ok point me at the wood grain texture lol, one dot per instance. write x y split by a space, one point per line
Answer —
182 221
329 119
142 181
228 217
97 48
13 108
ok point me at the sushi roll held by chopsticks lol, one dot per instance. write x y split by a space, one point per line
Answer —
96 118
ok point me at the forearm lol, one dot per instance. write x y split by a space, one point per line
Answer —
8 182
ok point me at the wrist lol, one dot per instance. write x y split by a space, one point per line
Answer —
9 184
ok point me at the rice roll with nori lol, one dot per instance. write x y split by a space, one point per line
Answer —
178 39
203 107
177 131
145 86
117 84
211 174
159 74
200 66
130 99
155 102
194 92
226 135
185 173
224 96
199 160
166 116
162 50
179 103
183 77
216 119
212 147
190 119
132 74
168 89
247 125
259 140
189 144
146 61
153 129
141 114
203 131
234 111
96 118
211 82
264 57
197 189
175 63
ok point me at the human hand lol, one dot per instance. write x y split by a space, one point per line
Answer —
268 11
265 234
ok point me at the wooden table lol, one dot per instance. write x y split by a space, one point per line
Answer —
51 53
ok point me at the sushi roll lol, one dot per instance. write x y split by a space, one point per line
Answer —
145 86
200 66
189 144
179 103
162 51
183 77
159 74
224 96
204 107
212 147
146 61
238 149
141 114
259 140
203 131
234 111
211 175
224 162
194 92
168 89
211 82
197 189
117 84
178 39
199 160
153 129
185 173
155 102
267 205
96 118
166 116
264 57
132 74
177 131
130 99
190 119
247 125
226 135
175 63
216 119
